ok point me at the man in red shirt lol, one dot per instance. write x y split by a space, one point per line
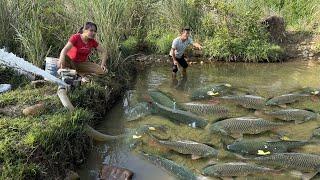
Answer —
77 50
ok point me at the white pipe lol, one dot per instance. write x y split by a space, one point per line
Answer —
94 134
62 93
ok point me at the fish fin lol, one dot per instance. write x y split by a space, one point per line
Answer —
209 144
283 106
210 163
195 157
240 156
304 176
258 113
237 136
307 176
227 178
311 110
300 121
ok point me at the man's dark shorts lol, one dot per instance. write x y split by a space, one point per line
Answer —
183 63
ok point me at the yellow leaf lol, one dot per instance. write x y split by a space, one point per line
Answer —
152 128
211 93
136 137
261 152
285 138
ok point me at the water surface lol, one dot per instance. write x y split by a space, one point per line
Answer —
266 80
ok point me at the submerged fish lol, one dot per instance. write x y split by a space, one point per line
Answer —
247 101
234 169
179 116
139 110
197 150
316 133
212 90
173 168
206 109
236 127
297 115
163 99
254 147
286 99
297 161
133 136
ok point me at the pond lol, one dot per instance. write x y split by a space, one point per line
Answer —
265 80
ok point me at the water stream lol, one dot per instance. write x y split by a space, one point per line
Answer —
266 80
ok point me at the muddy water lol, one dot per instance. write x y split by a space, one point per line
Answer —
266 80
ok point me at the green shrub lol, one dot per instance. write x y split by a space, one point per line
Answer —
238 36
130 45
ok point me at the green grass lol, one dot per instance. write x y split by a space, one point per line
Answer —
33 30
45 145
30 145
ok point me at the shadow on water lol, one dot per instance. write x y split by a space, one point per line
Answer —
266 80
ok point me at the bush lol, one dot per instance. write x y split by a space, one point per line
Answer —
239 36
129 46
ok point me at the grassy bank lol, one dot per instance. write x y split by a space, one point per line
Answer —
47 145
229 30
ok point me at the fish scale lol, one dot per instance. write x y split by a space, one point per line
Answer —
244 125
206 109
297 115
286 98
179 116
247 101
190 147
253 146
234 169
178 171
215 90
297 161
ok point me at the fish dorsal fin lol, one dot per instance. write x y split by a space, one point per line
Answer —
187 142
308 109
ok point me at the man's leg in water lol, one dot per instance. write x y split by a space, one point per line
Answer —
184 72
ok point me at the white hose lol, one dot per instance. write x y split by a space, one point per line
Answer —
94 134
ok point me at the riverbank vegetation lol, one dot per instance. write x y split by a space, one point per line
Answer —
229 30
46 144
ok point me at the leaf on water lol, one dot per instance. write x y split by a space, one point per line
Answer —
261 152
211 93
152 128
285 138
136 137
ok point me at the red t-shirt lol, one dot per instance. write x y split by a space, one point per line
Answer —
80 50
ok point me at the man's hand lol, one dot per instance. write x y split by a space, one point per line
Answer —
175 62
197 45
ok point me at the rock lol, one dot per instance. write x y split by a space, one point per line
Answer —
115 173
5 88
71 175
311 55
33 110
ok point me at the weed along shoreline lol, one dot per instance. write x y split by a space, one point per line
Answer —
51 142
